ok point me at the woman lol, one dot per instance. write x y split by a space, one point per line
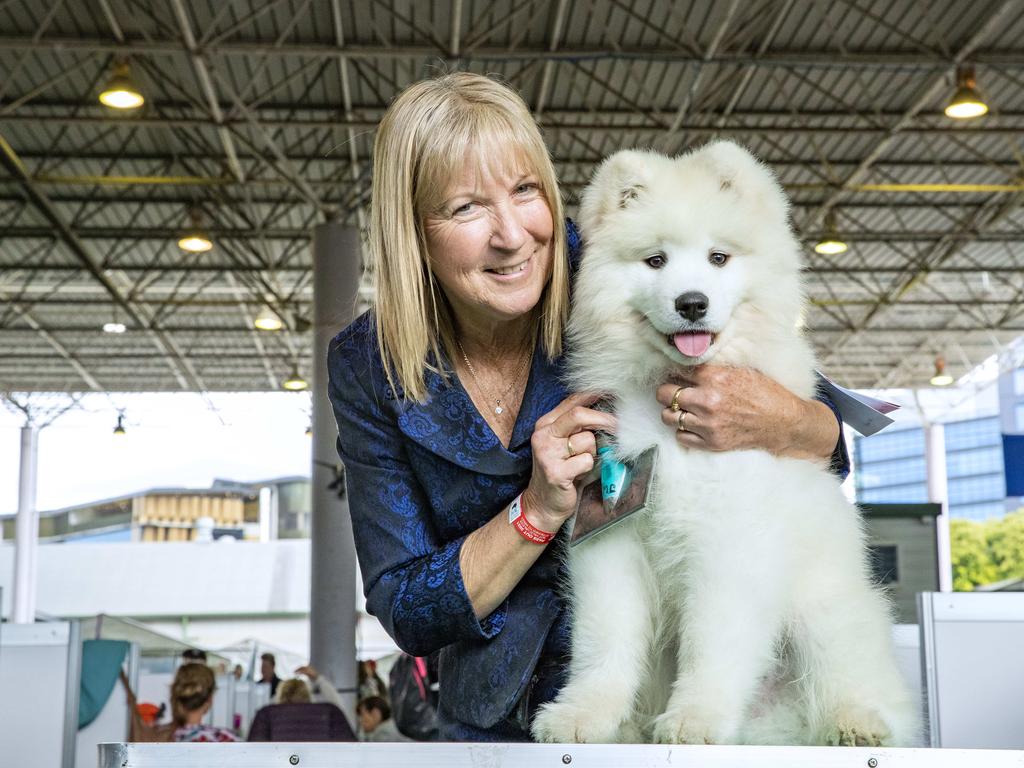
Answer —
293 691
462 448
191 698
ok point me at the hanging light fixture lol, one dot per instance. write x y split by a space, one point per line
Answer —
195 241
309 431
121 92
268 320
295 382
119 429
831 244
967 101
941 378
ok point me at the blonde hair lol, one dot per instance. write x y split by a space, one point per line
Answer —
421 145
294 691
192 687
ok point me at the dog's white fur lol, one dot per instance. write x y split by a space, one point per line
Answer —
739 608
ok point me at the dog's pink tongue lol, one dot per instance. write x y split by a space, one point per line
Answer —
692 344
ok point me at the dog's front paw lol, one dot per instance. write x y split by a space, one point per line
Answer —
565 723
857 728
674 728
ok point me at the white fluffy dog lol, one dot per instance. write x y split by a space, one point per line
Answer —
738 608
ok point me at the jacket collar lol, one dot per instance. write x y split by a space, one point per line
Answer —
448 424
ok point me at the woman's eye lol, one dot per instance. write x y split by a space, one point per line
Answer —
718 258
527 188
462 209
656 260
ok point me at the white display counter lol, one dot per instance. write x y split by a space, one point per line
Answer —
538 756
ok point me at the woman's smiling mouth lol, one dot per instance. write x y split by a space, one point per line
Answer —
515 269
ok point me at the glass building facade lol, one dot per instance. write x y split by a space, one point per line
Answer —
890 468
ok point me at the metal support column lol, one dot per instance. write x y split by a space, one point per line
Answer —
26 536
938 493
332 638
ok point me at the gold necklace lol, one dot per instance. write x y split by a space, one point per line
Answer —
498 407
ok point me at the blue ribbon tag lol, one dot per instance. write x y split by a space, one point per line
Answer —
614 477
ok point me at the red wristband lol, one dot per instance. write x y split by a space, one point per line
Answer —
525 528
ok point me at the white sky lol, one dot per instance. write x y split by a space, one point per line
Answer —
172 440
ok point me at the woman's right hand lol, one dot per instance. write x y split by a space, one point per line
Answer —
564 448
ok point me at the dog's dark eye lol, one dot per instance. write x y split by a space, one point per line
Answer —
718 258
656 260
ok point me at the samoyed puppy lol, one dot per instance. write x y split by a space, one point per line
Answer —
738 607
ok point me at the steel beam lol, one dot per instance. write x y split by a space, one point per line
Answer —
183 371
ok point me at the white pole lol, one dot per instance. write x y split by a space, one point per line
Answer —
265 492
26 536
938 493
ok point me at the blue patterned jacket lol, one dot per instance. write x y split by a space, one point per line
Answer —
423 476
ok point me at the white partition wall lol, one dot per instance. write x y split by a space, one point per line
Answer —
973 655
40 667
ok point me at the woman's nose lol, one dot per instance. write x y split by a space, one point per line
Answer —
508 232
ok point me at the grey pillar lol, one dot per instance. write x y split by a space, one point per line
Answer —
26 536
332 639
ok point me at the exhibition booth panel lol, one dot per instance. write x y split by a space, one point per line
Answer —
972 655
39 676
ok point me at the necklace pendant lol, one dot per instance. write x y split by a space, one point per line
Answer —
498 410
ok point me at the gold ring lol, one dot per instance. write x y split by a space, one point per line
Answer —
568 445
675 399
681 421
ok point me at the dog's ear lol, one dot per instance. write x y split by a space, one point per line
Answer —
740 172
618 182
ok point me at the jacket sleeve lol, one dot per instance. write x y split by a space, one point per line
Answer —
840 463
412 579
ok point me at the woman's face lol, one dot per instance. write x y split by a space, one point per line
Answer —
490 245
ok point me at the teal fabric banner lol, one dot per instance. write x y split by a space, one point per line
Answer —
101 663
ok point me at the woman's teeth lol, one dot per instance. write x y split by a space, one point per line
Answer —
510 270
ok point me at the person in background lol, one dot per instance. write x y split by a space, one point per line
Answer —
320 687
294 691
193 656
375 723
370 683
267 664
295 717
238 672
191 698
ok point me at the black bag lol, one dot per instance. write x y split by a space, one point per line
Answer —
414 697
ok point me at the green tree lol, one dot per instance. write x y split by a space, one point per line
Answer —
1006 543
973 563
987 552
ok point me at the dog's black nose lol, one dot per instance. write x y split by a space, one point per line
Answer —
692 305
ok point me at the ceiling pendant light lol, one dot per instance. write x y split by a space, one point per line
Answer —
295 382
941 378
119 429
121 92
309 431
195 241
831 244
966 102
268 320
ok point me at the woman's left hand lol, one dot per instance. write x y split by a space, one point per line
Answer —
730 409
